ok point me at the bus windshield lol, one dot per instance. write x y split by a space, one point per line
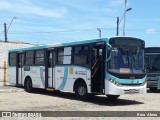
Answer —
152 62
126 61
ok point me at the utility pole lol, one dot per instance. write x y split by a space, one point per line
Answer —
99 32
5 32
124 18
7 29
117 26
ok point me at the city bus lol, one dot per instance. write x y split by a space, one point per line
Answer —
152 63
108 66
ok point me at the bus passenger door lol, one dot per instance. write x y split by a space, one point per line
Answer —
50 77
19 71
98 68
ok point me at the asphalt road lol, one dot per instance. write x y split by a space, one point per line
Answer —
132 105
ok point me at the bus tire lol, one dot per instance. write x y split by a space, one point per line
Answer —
153 89
112 97
28 85
81 91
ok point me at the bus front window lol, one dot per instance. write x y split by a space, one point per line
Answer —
126 61
152 63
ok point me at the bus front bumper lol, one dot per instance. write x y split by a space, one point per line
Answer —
112 89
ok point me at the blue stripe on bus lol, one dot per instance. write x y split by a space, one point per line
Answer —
85 41
125 81
61 87
29 48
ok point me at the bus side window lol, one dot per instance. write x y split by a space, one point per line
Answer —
60 55
86 52
12 59
29 58
80 55
50 59
64 55
39 57
94 57
67 55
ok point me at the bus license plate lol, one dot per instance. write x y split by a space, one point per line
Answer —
131 91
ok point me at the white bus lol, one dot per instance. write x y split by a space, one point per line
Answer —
110 66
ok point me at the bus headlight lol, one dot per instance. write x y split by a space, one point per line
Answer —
114 82
144 83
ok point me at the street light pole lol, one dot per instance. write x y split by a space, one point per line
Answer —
99 32
117 26
7 29
11 23
119 21
124 18
5 32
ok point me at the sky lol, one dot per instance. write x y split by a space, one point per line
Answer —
58 21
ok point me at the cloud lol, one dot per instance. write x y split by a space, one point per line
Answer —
107 10
151 30
28 8
116 2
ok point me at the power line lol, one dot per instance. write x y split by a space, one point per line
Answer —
45 32
130 30
145 20
77 30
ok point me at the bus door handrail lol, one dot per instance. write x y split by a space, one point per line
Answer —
95 63
109 46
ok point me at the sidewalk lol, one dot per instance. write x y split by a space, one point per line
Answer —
8 88
2 83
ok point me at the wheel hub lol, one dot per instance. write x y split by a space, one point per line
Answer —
82 91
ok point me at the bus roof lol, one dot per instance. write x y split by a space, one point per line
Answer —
83 42
152 50
67 43
58 45
29 48
90 41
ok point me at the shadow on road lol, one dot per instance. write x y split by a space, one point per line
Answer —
100 100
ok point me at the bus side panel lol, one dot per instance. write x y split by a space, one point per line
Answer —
67 75
60 77
37 74
11 75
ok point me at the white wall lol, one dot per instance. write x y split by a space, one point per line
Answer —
4 47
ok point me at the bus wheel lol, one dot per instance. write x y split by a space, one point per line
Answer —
112 97
153 89
28 85
81 91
